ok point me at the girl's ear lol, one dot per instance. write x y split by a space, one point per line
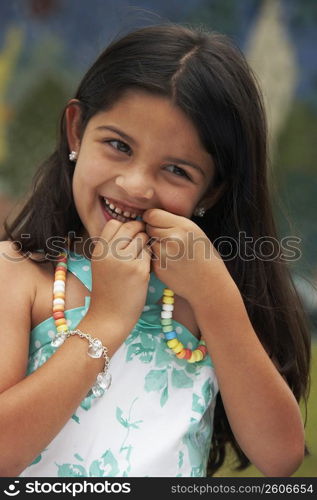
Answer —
73 125
210 199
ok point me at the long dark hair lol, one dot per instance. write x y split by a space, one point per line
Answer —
210 80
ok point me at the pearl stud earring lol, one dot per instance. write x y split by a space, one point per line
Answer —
73 156
200 212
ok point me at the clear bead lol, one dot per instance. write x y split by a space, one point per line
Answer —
58 340
97 391
104 380
95 349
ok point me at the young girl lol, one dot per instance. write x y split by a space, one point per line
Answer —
160 168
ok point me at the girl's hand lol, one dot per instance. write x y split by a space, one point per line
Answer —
183 256
120 266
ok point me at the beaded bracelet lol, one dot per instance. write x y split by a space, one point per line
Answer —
95 350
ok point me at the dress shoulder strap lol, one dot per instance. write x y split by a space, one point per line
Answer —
80 266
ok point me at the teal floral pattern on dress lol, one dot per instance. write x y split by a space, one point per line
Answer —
180 379
37 459
201 402
157 380
180 458
40 357
105 466
76 418
199 434
197 440
146 342
124 433
71 470
128 424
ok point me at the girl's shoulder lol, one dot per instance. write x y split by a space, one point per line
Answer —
17 292
16 270
9 254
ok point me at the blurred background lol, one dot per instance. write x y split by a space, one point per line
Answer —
47 45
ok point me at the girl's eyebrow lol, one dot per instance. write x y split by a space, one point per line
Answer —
117 131
133 141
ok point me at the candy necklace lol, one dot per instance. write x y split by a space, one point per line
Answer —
166 316
59 294
170 333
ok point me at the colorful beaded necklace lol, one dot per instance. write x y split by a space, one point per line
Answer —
166 315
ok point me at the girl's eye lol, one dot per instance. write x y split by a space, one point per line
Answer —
180 172
120 146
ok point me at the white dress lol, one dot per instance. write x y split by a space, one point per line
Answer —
155 420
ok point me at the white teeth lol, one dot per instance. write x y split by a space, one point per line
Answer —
119 211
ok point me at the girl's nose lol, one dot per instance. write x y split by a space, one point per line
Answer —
135 186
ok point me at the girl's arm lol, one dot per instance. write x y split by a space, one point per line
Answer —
261 408
35 408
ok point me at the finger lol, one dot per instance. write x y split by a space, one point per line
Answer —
160 218
158 232
145 253
126 233
110 229
135 247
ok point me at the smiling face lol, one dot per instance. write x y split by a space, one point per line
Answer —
142 153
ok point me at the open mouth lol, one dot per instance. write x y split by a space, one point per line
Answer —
116 212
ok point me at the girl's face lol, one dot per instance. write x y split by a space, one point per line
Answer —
142 153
